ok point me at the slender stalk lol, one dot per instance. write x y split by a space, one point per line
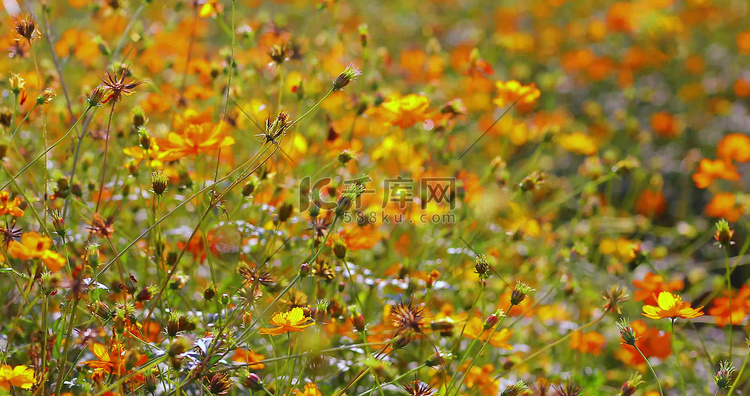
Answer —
64 356
677 357
23 120
739 374
104 162
656 377
729 296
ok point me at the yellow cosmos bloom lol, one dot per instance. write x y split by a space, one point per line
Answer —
287 322
671 306
511 91
19 376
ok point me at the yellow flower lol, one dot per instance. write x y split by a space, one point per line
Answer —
475 329
310 389
512 91
671 306
406 111
195 139
578 143
286 322
19 376
33 246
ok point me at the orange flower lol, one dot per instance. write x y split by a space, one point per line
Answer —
475 329
724 205
512 91
33 246
742 88
247 356
653 284
708 170
481 380
286 322
310 389
651 203
735 146
740 308
19 376
195 139
591 342
651 341
743 42
665 124
671 306
405 111
8 206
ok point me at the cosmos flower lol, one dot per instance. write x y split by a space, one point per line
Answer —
288 322
18 376
671 306
35 246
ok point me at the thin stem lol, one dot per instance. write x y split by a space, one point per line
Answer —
23 120
739 374
104 163
656 377
677 357
729 296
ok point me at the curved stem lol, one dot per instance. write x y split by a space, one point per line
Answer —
656 377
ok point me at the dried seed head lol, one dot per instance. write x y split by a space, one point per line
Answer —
613 297
25 26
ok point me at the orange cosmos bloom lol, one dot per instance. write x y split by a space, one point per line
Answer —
591 342
33 246
708 170
475 330
8 206
724 205
740 308
665 124
406 111
653 284
651 203
512 91
651 341
195 139
310 389
735 146
247 356
671 306
19 376
286 322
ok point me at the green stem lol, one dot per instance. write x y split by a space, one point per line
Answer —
729 296
677 357
739 374
23 120
656 377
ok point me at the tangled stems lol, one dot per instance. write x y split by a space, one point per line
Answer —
14 177
104 163
656 377
481 349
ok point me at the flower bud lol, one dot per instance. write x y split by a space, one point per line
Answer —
723 234
339 248
519 293
144 138
209 293
45 97
626 332
346 77
16 83
97 97
159 182
254 382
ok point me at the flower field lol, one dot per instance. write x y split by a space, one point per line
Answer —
365 198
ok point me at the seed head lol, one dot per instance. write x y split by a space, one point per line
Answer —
159 182
482 267
25 26
613 297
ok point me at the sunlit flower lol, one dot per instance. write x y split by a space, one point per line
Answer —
112 361
18 376
653 284
475 330
210 9
406 111
724 205
708 170
195 139
247 356
35 246
671 306
310 389
740 307
734 147
287 322
578 143
512 91
591 342
10 206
